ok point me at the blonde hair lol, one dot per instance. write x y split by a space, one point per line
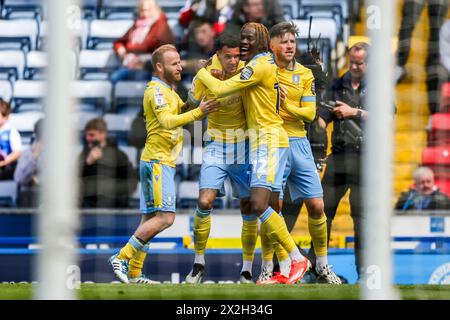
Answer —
158 54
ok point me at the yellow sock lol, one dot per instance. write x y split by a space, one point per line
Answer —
276 229
137 263
318 231
130 249
266 245
202 226
249 235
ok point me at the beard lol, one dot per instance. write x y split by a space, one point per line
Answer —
170 77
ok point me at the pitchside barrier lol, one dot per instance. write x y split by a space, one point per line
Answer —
420 242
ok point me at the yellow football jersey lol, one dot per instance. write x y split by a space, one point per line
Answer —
228 123
162 107
300 103
259 84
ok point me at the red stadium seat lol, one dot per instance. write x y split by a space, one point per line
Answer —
438 155
440 129
443 184
445 98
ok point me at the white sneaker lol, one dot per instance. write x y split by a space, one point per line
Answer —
142 280
120 268
265 275
245 277
326 275
196 274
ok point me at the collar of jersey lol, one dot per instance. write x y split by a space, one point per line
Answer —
262 54
162 82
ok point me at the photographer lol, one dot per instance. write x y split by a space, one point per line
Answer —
343 165
107 176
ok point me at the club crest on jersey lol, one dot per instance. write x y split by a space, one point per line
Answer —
295 79
157 177
246 73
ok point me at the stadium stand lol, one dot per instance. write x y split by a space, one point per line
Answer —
118 9
13 9
6 92
8 193
93 96
97 64
24 123
36 62
127 97
28 95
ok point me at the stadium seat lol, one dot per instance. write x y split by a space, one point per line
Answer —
90 8
93 95
131 153
18 34
438 155
97 64
118 9
439 133
342 4
128 96
172 8
83 117
36 62
24 123
12 63
8 193
118 125
326 28
6 92
445 98
290 9
443 184
102 33
28 95
80 32
14 9
188 194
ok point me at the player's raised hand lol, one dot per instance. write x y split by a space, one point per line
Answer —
209 106
219 74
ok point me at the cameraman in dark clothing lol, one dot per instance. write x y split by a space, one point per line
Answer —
107 176
343 165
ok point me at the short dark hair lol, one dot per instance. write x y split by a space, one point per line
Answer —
198 22
157 55
282 28
5 108
96 124
229 40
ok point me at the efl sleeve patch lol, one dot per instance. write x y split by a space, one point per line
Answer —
159 100
246 73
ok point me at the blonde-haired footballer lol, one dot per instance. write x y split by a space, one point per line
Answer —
164 121
300 175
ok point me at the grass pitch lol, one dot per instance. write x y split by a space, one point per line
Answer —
224 292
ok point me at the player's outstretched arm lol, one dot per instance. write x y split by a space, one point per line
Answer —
304 113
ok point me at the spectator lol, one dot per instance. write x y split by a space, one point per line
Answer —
10 144
424 195
107 176
411 12
134 49
267 12
203 45
27 171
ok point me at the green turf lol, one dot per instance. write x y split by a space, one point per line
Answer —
225 291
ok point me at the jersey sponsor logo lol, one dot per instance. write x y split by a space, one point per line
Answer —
246 73
295 79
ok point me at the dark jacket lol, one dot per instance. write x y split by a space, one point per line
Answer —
411 200
109 182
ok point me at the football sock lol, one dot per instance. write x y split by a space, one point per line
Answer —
267 249
277 231
249 235
202 227
268 265
321 261
247 266
199 258
131 248
137 262
318 231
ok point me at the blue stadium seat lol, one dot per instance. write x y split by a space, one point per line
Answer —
6 91
36 62
102 33
118 126
24 123
14 9
8 193
12 63
19 34
118 9
28 95
92 95
128 96
97 64
80 33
